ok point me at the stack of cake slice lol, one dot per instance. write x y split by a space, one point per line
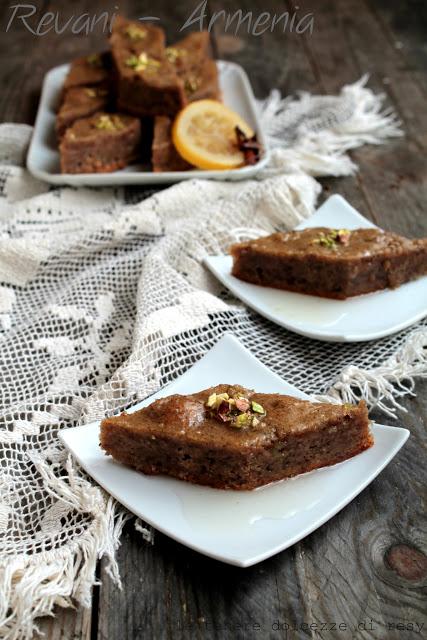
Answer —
193 65
140 78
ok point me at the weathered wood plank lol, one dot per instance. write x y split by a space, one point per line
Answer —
392 178
68 624
27 57
405 25
373 53
273 59
173 592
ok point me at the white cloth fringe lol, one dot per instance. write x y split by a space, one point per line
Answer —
313 133
72 263
31 585
381 386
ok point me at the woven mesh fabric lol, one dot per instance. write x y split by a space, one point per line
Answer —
103 299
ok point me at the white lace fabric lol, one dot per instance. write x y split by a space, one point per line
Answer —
104 299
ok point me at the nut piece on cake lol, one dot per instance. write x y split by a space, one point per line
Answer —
188 52
333 263
146 82
101 143
80 102
138 37
230 437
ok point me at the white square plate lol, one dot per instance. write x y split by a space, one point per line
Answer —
366 317
237 527
43 156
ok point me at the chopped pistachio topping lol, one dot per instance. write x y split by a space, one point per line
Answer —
173 53
237 410
142 63
135 32
242 420
333 238
257 408
94 60
109 123
214 401
191 84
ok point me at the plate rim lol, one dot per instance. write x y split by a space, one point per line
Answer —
210 263
141 177
401 433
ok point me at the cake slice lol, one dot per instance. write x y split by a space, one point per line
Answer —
164 156
191 58
189 51
101 143
334 263
230 437
90 70
201 81
146 83
137 37
80 102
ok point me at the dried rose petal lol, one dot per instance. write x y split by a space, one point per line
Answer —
242 404
224 412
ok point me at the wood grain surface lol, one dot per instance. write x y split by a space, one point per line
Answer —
364 573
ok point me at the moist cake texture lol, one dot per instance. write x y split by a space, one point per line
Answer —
88 71
334 263
164 156
146 83
192 60
230 437
80 102
101 143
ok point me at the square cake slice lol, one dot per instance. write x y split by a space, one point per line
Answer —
101 143
333 263
90 70
201 82
229 437
164 156
193 63
189 51
80 102
146 83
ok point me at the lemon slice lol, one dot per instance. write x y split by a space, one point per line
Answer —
204 135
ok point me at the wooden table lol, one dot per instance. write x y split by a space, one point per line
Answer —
364 573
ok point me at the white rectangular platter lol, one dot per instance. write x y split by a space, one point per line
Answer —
43 155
